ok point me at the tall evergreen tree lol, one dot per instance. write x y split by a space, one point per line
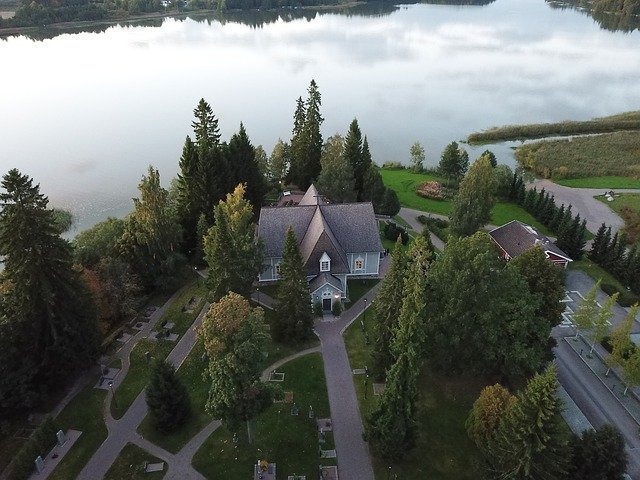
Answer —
556 220
293 302
152 235
491 156
47 319
373 188
336 178
530 442
598 243
390 203
167 397
391 427
472 204
385 308
619 256
598 455
306 142
234 258
539 205
353 154
530 200
205 126
241 159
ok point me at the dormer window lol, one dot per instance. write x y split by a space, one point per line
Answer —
325 263
359 263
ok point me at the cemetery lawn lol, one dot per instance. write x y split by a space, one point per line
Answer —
622 200
610 182
358 287
190 372
83 413
130 465
443 449
289 441
405 181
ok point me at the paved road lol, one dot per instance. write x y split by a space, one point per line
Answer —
582 202
592 397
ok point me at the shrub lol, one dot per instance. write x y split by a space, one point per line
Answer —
336 308
317 309
422 219
626 298
431 189
393 166
392 231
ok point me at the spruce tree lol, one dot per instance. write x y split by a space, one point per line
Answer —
353 154
549 211
297 148
454 161
598 243
520 191
205 126
241 159
539 205
167 397
47 319
293 303
530 442
188 209
313 138
556 220
373 188
390 203
564 222
619 254
530 200
609 254
491 156
631 267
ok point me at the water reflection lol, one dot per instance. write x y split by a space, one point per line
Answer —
609 21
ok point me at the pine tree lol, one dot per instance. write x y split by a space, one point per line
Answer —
241 159
621 344
472 204
293 302
597 245
234 258
530 442
167 397
47 320
386 311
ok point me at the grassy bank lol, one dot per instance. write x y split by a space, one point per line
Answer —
443 450
289 441
608 155
404 182
627 205
613 123
606 182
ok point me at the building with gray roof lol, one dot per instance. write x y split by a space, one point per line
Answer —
337 241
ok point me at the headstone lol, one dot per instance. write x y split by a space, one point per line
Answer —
294 410
147 355
39 464
311 412
61 437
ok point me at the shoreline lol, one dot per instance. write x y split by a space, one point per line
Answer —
63 26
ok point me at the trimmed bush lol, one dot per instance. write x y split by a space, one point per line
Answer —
422 219
392 231
336 308
317 309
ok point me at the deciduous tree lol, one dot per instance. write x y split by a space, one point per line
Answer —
598 455
601 321
584 316
621 344
233 257
234 336
279 161
416 152
472 204
491 407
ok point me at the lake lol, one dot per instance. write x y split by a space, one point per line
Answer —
84 113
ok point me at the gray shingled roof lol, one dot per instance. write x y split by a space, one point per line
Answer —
323 279
516 237
318 239
311 197
349 227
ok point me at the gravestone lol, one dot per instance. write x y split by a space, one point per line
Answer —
61 438
294 410
39 464
311 412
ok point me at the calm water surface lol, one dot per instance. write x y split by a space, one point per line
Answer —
85 113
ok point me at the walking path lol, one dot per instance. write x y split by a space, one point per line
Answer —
582 201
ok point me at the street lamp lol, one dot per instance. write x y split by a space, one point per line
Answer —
258 294
113 394
365 309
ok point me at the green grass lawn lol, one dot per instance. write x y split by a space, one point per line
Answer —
443 449
404 183
83 413
190 372
358 287
176 314
629 200
291 442
610 182
130 465
138 374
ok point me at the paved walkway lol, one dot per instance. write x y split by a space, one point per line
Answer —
582 201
